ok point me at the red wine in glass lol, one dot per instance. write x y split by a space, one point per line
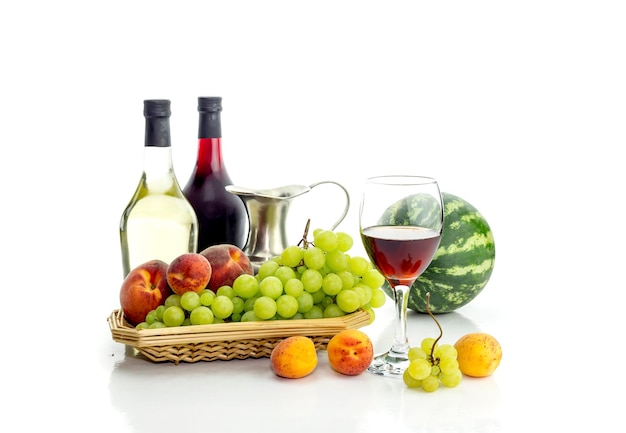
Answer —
401 253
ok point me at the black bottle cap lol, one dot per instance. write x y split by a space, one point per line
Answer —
157 113
156 108
210 125
210 104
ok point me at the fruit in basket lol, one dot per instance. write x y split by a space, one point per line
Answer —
318 284
189 272
463 263
143 290
326 281
173 316
228 262
479 354
294 357
350 352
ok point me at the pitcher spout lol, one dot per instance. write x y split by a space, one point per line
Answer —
283 193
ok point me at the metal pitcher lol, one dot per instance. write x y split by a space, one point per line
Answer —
267 212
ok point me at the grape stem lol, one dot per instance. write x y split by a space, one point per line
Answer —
304 242
430 313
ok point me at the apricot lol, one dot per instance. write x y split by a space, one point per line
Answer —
478 354
228 262
294 357
350 352
189 272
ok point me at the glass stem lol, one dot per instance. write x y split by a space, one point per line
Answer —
401 346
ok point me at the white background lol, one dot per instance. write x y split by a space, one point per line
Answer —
518 107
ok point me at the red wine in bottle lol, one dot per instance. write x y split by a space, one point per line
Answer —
222 216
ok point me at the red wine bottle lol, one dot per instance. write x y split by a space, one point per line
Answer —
222 216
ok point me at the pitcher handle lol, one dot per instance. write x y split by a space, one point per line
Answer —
346 207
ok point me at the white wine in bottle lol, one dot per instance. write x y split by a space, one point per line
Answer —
159 222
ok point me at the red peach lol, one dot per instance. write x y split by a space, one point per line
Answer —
350 352
144 288
189 272
228 262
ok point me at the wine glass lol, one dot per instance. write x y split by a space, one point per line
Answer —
401 220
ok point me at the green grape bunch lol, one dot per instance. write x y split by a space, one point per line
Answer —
310 280
432 364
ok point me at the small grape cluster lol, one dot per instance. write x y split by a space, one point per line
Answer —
432 364
306 281
191 308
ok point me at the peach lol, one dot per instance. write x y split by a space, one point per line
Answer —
350 352
228 262
189 272
294 357
144 289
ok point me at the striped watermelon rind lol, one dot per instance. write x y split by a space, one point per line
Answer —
462 264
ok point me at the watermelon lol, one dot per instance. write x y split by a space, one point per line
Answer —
463 263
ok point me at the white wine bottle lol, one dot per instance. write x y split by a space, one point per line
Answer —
159 222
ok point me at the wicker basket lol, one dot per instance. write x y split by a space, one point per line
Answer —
225 341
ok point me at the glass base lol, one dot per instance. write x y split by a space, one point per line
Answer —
389 364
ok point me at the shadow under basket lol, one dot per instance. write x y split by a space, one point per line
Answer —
225 341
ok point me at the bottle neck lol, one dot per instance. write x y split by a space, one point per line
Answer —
210 159
157 163
158 170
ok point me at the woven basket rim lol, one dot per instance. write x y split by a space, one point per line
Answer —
125 333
